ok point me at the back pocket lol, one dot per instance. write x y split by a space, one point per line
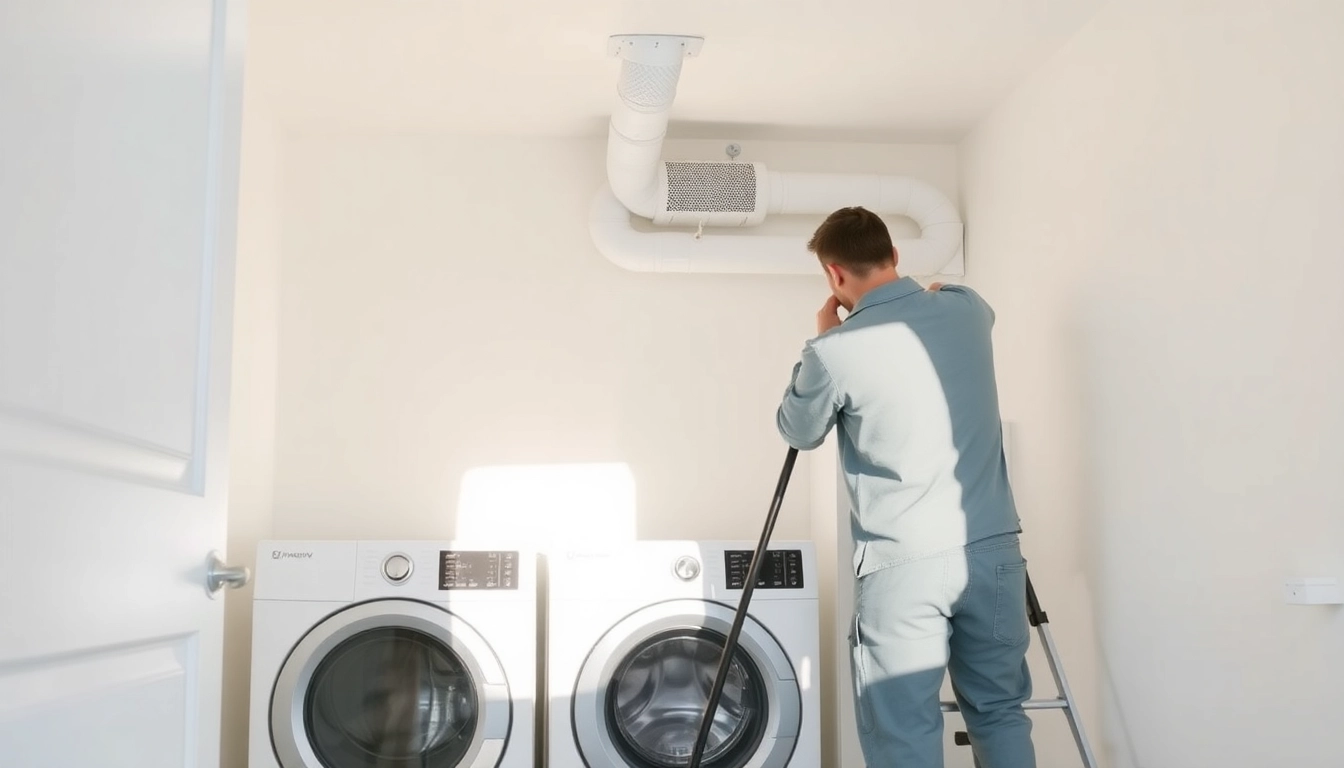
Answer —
1010 604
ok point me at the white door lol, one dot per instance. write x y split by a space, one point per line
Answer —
119 125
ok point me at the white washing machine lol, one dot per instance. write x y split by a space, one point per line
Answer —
634 637
382 654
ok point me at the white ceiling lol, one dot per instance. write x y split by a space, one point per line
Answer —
854 70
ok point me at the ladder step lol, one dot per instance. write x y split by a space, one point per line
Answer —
1064 701
1060 703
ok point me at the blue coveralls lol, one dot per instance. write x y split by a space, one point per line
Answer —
908 382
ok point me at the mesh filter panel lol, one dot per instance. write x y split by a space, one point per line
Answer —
711 187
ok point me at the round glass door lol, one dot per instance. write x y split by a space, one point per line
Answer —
390 684
391 697
658 693
639 696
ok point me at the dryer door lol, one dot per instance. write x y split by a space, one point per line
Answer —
642 692
390 684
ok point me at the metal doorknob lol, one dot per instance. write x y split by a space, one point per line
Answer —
219 575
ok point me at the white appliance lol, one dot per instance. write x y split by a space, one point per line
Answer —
393 653
634 637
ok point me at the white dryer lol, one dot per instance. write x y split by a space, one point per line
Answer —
634 637
382 654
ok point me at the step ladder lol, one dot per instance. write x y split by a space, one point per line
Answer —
1063 701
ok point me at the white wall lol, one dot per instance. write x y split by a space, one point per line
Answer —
1156 217
443 309
252 420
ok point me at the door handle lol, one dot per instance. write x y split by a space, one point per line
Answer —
219 575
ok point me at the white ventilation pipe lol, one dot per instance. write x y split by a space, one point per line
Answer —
650 69
730 194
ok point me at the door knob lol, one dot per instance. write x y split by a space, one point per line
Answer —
219 575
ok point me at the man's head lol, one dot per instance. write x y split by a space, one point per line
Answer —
855 249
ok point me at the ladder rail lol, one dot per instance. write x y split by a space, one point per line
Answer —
1064 700
1062 683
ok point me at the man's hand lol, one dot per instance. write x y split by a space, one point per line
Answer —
829 315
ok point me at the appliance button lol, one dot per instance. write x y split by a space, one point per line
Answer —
686 568
397 568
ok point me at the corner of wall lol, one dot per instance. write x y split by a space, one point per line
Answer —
252 405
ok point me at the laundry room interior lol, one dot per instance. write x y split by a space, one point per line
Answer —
430 345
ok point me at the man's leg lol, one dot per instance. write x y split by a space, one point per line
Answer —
898 655
990 636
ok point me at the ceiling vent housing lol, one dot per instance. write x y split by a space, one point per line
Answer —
715 194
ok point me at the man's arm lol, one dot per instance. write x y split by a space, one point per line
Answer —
810 404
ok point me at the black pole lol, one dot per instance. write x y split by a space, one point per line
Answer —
730 646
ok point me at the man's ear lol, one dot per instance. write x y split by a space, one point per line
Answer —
895 256
836 273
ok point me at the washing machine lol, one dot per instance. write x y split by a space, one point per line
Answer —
393 654
634 637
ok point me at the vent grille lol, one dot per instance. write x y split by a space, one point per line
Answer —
711 187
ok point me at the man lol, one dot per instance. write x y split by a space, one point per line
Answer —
907 380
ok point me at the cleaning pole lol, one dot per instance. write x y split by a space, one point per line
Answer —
730 646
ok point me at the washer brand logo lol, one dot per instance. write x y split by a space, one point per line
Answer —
278 555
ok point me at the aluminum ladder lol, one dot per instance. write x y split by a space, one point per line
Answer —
1063 701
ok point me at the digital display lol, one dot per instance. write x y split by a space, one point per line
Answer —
782 569
478 570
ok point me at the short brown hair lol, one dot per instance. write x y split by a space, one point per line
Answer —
854 238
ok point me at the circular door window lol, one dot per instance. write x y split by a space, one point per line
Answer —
391 697
390 684
640 695
658 694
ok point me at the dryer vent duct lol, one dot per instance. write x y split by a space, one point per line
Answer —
713 196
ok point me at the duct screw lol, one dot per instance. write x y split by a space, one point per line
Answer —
733 150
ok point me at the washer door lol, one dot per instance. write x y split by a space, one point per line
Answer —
390 684
642 692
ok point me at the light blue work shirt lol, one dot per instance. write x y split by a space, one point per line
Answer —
908 381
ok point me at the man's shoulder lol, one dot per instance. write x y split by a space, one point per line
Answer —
971 295
960 288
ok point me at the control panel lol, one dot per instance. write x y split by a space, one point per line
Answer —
478 570
782 569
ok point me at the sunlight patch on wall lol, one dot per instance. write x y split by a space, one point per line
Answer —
544 505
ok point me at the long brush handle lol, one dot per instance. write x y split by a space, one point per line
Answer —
730 647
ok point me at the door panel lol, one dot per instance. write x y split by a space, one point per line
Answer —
129 706
108 212
118 185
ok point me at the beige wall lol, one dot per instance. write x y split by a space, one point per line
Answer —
1155 215
252 420
441 309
